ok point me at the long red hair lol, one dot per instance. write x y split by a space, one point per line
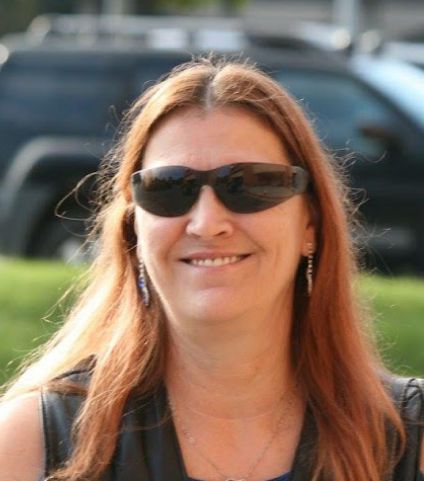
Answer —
335 360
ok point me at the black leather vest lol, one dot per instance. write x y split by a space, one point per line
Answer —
153 453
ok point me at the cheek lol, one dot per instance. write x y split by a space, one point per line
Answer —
156 237
283 233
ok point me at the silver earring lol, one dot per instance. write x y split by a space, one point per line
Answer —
310 268
142 284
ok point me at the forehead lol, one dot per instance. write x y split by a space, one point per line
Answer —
207 139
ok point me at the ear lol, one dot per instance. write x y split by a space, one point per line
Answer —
309 244
309 240
137 227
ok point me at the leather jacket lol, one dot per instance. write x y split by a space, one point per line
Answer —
153 453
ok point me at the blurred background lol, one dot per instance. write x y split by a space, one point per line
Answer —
69 69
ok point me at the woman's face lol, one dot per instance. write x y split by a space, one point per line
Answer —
263 248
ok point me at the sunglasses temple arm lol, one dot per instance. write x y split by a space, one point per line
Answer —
301 180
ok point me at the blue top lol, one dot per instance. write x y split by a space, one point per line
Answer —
283 477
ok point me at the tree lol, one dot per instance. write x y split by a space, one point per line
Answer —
147 7
16 15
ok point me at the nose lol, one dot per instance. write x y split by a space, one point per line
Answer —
209 218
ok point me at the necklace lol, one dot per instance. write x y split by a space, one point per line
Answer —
193 441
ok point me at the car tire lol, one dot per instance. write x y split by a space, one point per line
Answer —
64 240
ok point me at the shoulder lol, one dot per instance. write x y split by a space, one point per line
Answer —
420 394
32 424
408 394
408 397
61 403
422 458
21 438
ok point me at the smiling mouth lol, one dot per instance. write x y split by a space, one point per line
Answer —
215 262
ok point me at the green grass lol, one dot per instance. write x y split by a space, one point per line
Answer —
30 289
28 292
399 307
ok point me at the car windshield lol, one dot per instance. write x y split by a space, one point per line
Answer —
401 82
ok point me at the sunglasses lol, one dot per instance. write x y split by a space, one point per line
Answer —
244 188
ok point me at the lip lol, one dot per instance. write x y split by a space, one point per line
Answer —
212 255
220 268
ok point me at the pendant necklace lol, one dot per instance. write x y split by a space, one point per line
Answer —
193 441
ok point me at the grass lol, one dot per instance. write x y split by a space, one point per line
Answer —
399 307
28 292
30 289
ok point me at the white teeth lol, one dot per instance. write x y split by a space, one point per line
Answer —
219 261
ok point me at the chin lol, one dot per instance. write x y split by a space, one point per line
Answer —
210 305
217 310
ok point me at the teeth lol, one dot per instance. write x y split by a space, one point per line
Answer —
219 261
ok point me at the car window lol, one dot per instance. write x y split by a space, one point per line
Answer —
52 101
151 68
402 83
338 107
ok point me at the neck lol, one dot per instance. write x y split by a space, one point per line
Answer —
233 370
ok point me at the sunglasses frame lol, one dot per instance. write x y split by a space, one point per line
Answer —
237 204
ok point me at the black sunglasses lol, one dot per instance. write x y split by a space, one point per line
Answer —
244 188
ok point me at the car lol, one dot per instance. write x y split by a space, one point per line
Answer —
412 52
62 98
375 112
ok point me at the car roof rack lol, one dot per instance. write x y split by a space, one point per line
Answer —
302 35
159 32
186 33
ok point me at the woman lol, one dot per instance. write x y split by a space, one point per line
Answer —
219 337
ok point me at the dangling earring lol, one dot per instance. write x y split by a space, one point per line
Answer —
142 284
310 268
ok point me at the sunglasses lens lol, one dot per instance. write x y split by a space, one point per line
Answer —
252 187
165 191
171 191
